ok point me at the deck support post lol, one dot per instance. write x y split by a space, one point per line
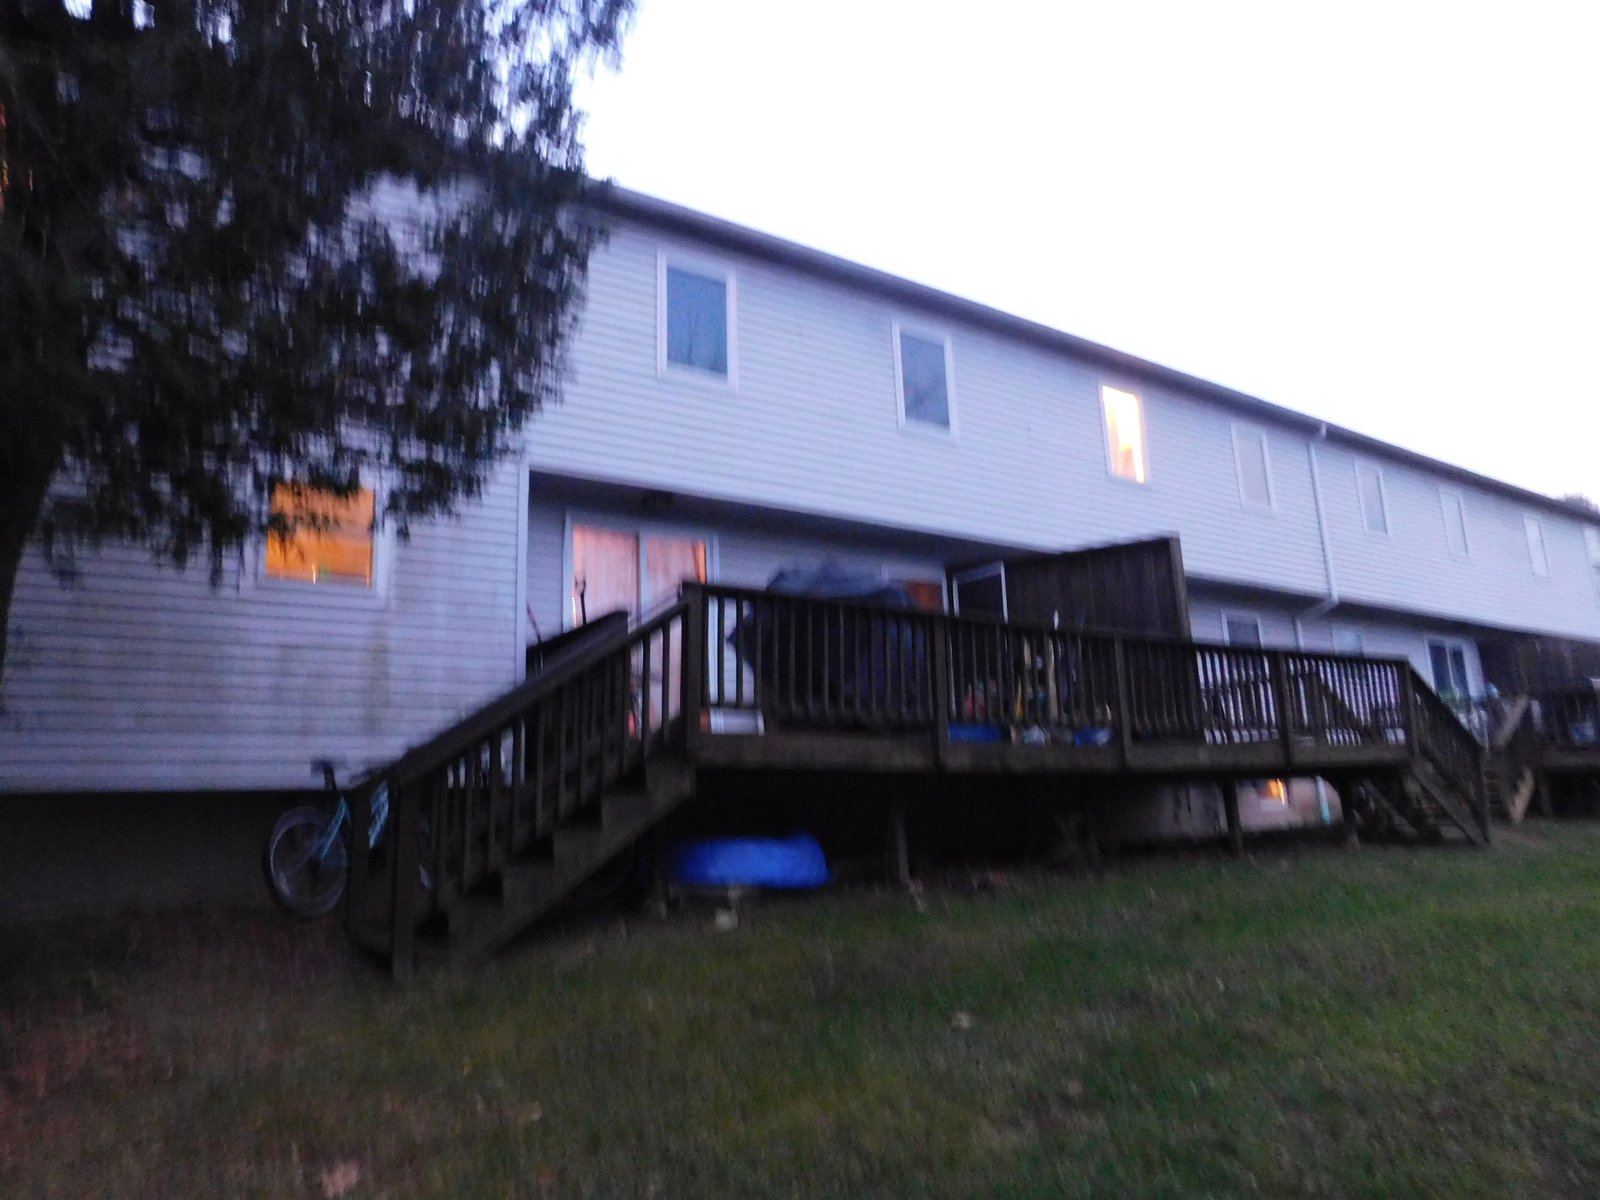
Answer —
656 903
1230 807
404 818
898 850
1347 812
1547 807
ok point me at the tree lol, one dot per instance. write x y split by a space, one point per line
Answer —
203 291
1579 500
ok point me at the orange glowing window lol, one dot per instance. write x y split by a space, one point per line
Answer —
1276 790
330 540
1124 433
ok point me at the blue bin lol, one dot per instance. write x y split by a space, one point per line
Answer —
791 862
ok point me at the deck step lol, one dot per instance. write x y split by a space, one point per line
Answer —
478 926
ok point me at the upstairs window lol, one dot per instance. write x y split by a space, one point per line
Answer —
329 538
1455 522
1538 557
1253 466
1374 504
1125 434
696 320
922 375
1591 539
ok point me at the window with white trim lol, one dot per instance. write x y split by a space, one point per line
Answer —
1253 466
1125 444
922 378
696 319
1374 504
1448 661
1591 540
1455 521
1538 556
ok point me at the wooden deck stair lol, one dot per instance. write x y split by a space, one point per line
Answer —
507 812
501 817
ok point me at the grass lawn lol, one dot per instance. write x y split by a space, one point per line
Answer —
1386 1022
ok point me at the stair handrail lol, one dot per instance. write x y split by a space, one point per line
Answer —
1445 741
443 746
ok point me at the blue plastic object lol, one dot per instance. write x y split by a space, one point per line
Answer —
975 733
791 862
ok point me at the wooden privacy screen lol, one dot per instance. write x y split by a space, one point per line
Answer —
1129 587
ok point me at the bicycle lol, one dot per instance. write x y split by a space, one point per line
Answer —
307 857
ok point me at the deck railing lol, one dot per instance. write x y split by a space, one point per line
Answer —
1569 718
818 664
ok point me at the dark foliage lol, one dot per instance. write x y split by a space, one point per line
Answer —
212 274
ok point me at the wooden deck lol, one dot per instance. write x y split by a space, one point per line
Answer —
497 818
832 684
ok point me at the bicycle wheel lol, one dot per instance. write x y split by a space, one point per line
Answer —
305 882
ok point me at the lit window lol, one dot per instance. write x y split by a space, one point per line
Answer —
1255 471
624 570
1455 521
1276 791
1374 507
1242 629
1124 433
696 322
1537 556
328 538
924 379
1591 539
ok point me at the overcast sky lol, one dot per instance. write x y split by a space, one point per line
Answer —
1387 214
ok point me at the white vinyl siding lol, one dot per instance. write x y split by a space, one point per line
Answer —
1253 462
1455 522
141 677
1591 542
1538 554
1374 501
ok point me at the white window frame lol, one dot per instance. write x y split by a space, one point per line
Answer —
1533 527
1591 542
1447 496
254 580
640 529
924 333
1144 434
1383 500
1449 644
1244 614
706 268
1240 432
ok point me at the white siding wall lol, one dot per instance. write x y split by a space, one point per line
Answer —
143 677
1413 568
812 427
